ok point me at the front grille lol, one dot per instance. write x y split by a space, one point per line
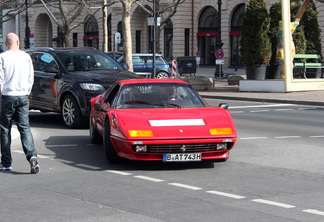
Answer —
183 148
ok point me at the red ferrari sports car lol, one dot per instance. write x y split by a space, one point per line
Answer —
160 120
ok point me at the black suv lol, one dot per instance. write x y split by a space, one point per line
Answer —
66 78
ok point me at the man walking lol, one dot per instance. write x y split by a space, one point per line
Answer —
16 80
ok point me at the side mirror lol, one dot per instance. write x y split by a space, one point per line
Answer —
223 105
99 107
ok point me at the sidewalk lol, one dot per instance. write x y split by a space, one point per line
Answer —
224 91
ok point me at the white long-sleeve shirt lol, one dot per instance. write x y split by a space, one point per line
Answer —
16 73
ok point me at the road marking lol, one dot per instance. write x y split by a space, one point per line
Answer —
283 109
185 186
88 166
225 194
64 161
149 178
312 211
258 106
236 111
317 136
62 145
286 137
259 111
273 203
18 151
307 109
43 156
118 172
253 138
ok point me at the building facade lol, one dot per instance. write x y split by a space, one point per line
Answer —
192 31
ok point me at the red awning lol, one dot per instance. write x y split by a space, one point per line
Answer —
90 37
207 34
236 33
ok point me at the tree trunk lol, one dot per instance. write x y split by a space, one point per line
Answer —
105 28
127 38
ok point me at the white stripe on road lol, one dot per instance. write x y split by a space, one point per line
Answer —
258 106
283 109
253 138
149 178
87 166
64 161
62 145
185 186
317 136
259 111
286 137
273 203
43 156
226 194
236 111
118 172
312 211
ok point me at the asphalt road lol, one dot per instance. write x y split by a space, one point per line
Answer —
274 173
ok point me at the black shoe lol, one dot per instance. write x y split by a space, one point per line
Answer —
34 167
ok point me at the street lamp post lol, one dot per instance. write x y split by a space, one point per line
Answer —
27 30
219 43
154 40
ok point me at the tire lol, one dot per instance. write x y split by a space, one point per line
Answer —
71 113
110 151
162 75
95 137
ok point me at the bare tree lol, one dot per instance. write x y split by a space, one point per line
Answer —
13 9
165 13
69 14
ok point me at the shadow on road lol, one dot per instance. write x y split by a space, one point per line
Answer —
77 151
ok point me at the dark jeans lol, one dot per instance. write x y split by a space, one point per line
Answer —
235 65
17 108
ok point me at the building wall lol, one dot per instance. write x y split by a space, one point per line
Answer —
44 27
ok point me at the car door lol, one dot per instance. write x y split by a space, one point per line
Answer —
139 64
44 92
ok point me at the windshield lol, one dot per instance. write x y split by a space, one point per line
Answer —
87 61
158 95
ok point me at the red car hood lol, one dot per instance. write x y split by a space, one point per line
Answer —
175 123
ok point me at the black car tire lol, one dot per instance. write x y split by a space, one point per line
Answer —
71 112
95 137
110 151
162 75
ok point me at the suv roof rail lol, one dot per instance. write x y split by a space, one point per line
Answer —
60 48
48 48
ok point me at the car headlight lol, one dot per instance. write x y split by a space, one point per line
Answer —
92 87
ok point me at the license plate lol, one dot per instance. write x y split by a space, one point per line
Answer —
181 157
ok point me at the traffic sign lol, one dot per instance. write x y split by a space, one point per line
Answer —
197 54
219 54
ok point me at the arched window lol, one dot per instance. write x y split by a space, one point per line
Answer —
91 33
207 35
236 29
